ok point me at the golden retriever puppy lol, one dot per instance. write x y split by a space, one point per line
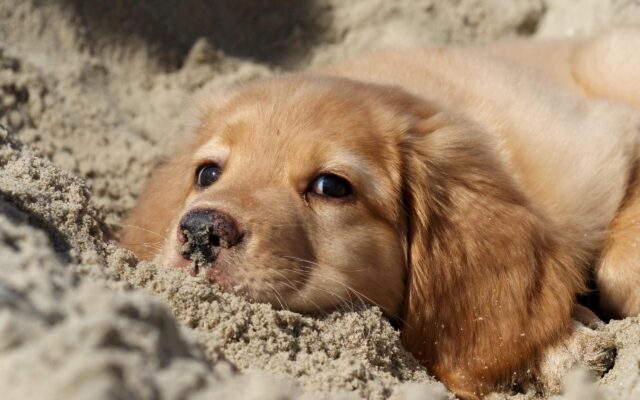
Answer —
466 191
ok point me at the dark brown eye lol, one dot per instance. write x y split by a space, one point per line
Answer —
330 185
207 175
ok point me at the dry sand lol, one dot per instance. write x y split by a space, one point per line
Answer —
93 93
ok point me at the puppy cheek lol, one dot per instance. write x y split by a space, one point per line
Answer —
367 264
380 273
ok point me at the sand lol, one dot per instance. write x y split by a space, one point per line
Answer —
92 96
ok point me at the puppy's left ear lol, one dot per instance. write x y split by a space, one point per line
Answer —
490 282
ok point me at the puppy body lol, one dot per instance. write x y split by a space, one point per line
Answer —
572 157
485 181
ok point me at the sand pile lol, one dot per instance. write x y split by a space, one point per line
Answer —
93 93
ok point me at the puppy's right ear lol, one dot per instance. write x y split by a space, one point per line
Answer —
146 228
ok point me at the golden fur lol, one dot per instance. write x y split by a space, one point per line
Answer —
487 181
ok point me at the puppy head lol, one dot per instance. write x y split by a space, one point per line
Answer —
311 192
296 183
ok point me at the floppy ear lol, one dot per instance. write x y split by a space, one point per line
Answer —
145 229
490 283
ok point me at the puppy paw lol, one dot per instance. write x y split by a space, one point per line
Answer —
590 349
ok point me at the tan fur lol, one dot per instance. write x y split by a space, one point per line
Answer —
486 180
472 264
617 270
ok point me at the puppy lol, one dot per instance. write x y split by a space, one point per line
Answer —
466 191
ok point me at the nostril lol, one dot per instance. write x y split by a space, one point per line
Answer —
226 229
215 241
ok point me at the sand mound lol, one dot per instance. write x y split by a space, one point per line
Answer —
93 95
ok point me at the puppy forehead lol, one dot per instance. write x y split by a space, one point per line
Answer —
288 116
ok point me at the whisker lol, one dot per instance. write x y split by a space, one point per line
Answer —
359 295
277 294
142 229
355 301
300 292
289 282
378 284
153 245
284 225
343 300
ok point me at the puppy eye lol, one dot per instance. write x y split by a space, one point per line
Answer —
329 185
207 175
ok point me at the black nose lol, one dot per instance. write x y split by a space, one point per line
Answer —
204 232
